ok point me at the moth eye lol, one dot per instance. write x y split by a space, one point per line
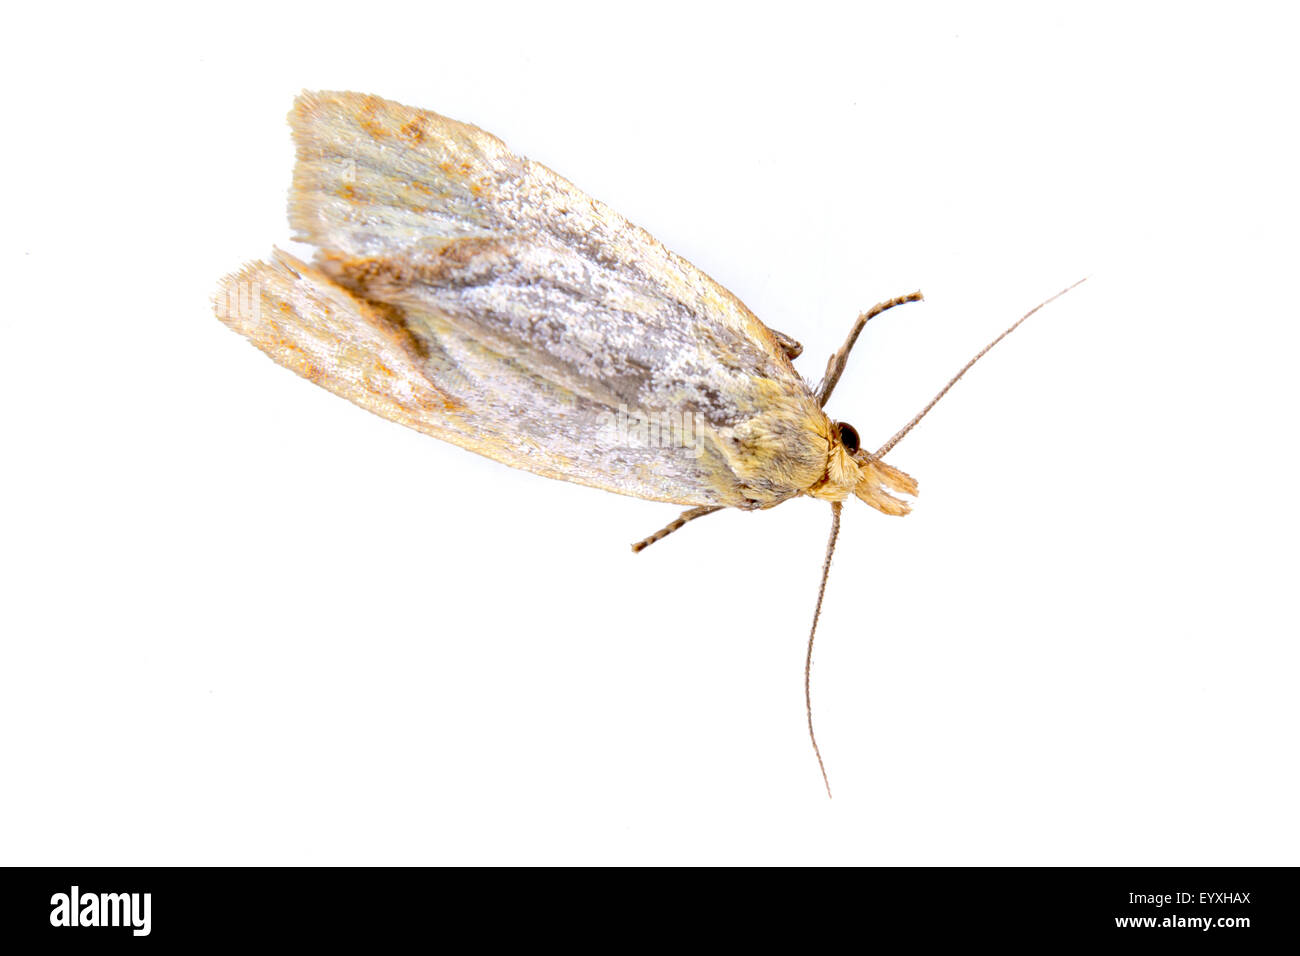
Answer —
849 437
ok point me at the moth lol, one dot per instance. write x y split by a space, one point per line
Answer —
464 291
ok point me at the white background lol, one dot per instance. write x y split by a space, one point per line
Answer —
245 622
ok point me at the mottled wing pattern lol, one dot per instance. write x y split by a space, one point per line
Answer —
522 319
415 368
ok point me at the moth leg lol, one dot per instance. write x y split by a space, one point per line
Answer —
673 525
835 366
792 348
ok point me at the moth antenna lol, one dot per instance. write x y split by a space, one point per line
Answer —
812 633
835 364
673 525
885 448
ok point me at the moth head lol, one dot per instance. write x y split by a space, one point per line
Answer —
853 469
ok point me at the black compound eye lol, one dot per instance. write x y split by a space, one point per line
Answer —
849 437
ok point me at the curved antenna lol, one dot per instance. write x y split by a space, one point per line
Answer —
899 435
812 634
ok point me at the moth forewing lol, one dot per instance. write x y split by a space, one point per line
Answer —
561 321
356 349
